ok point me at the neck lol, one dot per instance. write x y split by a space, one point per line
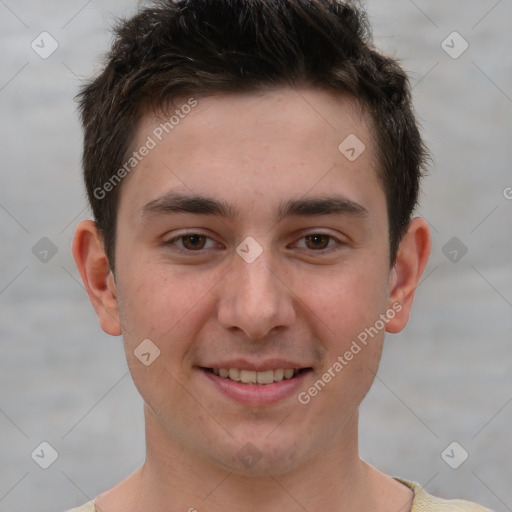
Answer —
175 478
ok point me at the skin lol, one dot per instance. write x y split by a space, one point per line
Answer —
303 299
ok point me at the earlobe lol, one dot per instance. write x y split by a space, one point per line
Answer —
94 269
411 260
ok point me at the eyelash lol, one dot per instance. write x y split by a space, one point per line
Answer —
328 249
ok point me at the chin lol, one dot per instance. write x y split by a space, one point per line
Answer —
259 456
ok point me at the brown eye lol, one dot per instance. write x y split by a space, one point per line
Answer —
317 241
193 242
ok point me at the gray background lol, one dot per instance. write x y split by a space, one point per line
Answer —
447 378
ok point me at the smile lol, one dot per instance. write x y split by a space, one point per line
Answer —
254 377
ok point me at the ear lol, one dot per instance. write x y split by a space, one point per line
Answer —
92 263
411 260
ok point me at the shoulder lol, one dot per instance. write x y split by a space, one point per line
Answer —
425 502
88 507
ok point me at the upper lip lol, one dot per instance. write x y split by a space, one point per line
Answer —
257 366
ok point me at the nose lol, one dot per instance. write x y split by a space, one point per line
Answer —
256 299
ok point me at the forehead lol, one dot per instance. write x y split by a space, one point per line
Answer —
255 147
318 117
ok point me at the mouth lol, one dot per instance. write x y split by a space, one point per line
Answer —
263 378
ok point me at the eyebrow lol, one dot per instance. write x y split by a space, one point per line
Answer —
331 205
201 205
183 203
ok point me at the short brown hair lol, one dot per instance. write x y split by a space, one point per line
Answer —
202 47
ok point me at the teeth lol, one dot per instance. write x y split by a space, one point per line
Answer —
253 377
248 376
265 377
278 374
234 374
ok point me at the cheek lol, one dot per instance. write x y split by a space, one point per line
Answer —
348 306
347 301
158 319
168 306
155 300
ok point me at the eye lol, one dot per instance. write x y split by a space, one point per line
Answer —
192 242
317 242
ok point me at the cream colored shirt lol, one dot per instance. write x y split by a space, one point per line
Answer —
422 502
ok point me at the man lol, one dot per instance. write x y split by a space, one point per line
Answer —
253 167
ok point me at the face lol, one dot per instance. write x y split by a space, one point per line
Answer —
249 244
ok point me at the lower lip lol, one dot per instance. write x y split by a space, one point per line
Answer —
258 394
